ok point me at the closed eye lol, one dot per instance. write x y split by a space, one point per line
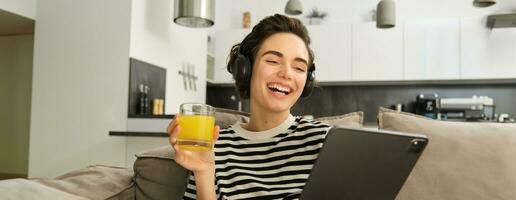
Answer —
272 61
300 69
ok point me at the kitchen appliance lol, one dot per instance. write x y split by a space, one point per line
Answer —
504 118
427 105
468 109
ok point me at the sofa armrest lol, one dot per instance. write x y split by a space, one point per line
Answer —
27 189
93 182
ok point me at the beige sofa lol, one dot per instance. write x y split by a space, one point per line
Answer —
462 161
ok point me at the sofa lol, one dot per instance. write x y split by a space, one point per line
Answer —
463 160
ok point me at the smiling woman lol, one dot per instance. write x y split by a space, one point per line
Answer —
272 155
245 53
279 73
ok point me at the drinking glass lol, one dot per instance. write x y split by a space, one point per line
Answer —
197 122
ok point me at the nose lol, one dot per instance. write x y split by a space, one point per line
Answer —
286 72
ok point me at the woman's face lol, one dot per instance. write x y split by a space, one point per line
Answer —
279 72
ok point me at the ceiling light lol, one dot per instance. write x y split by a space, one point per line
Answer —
483 3
194 13
293 7
386 14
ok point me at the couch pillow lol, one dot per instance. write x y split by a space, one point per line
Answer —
105 181
158 176
227 117
352 120
463 160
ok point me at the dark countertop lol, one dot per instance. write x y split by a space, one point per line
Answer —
143 133
151 116
138 134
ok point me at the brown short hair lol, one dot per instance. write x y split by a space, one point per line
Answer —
263 30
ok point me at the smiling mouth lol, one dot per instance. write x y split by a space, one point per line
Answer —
279 89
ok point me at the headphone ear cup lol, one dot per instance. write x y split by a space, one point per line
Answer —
309 84
245 69
241 71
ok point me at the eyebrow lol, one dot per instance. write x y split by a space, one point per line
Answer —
279 54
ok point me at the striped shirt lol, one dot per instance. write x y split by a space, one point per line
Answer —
272 164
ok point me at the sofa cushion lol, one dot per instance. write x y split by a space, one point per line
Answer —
227 117
352 120
157 176
26 189
463 160
105 181
127 194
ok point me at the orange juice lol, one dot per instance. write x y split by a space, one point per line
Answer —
196 132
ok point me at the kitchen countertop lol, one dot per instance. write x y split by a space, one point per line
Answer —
138 134
152 116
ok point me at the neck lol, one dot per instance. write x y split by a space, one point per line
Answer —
262 119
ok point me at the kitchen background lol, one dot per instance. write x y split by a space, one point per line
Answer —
80 52
433 49
338 100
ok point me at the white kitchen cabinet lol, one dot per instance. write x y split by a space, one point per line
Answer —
332 48
223 41
487 53
432 49
377 53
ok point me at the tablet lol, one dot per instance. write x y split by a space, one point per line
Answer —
363 164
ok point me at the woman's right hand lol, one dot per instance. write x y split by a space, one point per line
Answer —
195 161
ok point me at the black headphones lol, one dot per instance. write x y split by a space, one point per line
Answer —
242 69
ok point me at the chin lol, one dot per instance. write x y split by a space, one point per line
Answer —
279 105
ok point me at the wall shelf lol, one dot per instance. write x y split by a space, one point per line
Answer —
138 134
151 116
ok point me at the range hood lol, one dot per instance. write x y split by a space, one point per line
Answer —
501 21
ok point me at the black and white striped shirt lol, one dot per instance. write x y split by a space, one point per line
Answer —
272 164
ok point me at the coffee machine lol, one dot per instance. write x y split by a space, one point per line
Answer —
476 108
428 105
467 109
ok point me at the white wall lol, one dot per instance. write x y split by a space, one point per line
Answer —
156 39
80 84
26 8
15 87
228 13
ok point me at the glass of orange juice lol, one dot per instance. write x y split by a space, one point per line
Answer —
197 122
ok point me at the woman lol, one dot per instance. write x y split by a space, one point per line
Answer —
271 156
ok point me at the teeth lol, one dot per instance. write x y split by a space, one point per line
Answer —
279 88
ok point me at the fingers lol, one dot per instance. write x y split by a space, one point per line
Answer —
178 155
173 135
173 124
216 131
215 135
